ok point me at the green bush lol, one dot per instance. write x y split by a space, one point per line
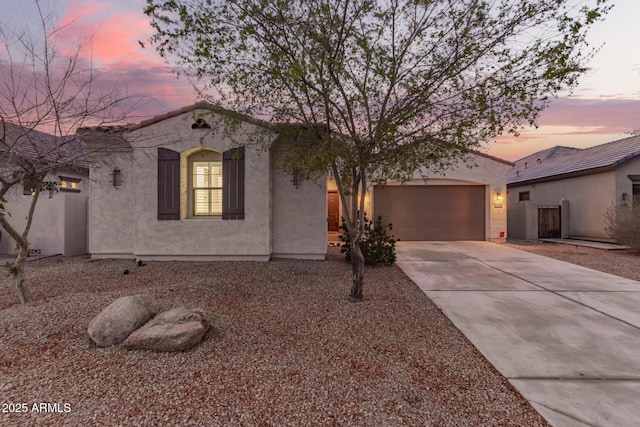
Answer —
377 246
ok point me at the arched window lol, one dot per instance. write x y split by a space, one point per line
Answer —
205 183
212 184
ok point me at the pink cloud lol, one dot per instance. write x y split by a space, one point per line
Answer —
572 122
77 10
156 84
110 33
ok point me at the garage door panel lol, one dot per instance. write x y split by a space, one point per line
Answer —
434 212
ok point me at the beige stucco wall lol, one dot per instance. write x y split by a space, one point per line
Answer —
623 183
279 220
58 225
476 170
75 224
202 238
299 217
587 197
110 222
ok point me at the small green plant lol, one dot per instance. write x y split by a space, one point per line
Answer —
11 268
377 246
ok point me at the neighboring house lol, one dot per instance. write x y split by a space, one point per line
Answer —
566 192
198 184
465 203
59 224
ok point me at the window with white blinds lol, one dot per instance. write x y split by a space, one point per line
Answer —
207 188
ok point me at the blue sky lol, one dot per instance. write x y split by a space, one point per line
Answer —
605 105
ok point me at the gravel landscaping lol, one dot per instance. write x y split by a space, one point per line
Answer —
624 263
286 348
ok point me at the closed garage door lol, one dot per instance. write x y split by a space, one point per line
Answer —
433 212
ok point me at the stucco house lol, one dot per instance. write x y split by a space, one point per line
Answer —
564 192
193 184
59 224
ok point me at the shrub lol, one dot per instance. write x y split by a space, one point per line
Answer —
377 246
623 225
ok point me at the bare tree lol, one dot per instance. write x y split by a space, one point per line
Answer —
47 92
387 86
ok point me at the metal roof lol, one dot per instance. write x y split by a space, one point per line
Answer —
561 162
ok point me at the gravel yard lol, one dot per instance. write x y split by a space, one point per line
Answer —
624 263
286 348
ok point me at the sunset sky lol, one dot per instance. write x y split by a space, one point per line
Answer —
605 105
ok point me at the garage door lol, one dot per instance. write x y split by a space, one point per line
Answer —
433 212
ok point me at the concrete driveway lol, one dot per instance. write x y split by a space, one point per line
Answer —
567 337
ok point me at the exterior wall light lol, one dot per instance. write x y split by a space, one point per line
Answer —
117 177
498 203
295 179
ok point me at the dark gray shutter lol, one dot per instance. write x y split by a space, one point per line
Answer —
233 183
168 184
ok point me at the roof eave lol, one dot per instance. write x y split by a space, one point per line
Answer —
488 156
591 171
202 105
626 158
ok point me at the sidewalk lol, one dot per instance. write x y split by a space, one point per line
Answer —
586 243
567 337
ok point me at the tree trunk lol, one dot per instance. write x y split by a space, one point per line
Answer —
357 268
18 278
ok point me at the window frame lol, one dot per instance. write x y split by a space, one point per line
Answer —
175 183
68 179
203 156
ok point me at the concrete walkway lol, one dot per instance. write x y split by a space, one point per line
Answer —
586 243
567 337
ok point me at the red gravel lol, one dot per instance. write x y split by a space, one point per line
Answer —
287 348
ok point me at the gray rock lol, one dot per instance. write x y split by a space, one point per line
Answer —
123 316
174 330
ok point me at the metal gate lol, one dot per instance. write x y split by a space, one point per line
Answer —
549 222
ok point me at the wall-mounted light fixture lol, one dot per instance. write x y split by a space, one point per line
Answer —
295 179
625 196
117 177
498 201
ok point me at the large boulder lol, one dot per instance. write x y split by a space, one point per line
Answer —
123 316
175 330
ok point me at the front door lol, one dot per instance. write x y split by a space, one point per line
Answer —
333 211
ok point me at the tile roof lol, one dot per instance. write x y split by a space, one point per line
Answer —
200 105
42 148
488 156
87 132
562 162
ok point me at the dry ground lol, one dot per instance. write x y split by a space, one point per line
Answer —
286 348
624 263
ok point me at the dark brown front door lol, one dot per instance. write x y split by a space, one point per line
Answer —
333 211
